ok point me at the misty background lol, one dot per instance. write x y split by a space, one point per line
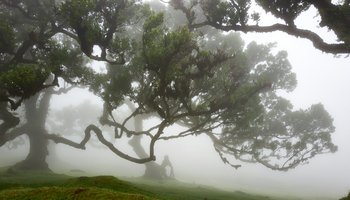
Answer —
321 78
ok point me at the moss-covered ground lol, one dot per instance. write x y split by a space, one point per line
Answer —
40 185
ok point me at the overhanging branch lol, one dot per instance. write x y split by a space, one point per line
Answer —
302 33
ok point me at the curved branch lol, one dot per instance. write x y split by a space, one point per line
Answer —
302 33
98 132
126 130
323 5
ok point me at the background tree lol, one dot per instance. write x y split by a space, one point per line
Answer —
237 15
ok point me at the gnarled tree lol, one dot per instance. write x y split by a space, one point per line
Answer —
229 94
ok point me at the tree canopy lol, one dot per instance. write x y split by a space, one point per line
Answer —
245 16
206 81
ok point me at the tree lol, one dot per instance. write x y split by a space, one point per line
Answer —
153 170
180 82
238 15
178 77
45 44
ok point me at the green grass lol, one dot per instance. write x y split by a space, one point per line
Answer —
175 190
38 185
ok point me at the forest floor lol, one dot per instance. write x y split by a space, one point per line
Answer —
39 185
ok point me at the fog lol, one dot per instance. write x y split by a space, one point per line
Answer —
322 78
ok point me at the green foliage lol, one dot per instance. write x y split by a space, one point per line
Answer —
7 36
238 15
273 68
117 87
286 10
23 80
228 13
346 198
161 46
282 134
75 10
81 16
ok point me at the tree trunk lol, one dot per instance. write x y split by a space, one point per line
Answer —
153 170
38 151
36 109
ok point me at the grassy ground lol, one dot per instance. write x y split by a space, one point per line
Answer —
73 193
38 185
175 190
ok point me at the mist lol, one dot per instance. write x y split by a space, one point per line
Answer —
321 78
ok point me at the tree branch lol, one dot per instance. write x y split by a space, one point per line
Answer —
9 120
302 33
14 133
98 132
